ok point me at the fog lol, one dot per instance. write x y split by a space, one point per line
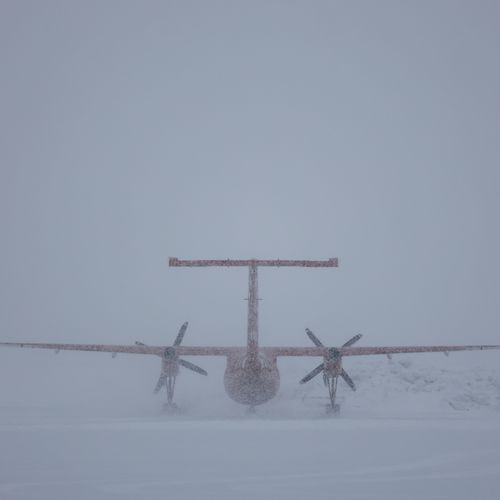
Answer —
131 132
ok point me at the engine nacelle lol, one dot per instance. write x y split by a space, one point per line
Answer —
251 381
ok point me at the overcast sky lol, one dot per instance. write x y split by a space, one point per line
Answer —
135 131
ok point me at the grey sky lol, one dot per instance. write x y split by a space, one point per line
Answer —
134 131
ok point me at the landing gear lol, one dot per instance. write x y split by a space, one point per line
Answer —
251 410
332 410
171 409
170 386
168 380
331 382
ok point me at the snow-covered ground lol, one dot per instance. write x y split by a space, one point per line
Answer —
418 427
348 458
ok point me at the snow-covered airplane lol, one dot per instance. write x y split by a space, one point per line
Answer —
252 377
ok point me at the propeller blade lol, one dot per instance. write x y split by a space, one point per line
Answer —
159 384
193 367
312 374
353 340
181 333
313 337
348 380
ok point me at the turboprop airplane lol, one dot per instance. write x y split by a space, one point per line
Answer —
252 377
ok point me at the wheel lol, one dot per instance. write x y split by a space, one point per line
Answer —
251 410
332 410
171 408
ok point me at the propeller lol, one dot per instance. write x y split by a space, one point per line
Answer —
313 337
348 380
352 341
180 335
331 366
312 374
192 367
161 382
172 361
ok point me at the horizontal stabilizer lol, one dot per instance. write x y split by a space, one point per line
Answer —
175 262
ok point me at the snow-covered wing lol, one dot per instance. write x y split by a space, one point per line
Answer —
228 351
366 351
128 349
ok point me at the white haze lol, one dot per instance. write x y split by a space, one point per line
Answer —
135 131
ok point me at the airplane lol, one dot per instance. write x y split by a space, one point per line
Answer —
252 377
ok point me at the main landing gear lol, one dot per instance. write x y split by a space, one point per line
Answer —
168 380
331 382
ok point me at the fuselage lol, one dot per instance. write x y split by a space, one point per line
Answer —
251 381
252 378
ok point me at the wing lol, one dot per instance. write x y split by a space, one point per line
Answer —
368 351
229 351
129 349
